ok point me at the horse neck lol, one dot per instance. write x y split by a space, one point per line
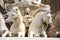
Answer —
18 20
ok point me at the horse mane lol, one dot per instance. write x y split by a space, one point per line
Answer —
53 17
55 14
56 20
20 15
2 10
2 22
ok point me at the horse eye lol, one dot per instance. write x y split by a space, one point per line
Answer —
15 11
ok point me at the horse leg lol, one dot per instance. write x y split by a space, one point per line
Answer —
30 34
36 35
45 35
4 35
20 34
10 34
23 34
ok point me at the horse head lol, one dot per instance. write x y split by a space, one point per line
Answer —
11 15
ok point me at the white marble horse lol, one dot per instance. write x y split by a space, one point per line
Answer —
3 26
18 26
37 27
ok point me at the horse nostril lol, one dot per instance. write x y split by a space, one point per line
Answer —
6 15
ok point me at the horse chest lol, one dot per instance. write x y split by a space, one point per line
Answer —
15 27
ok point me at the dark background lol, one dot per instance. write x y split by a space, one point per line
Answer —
54 4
